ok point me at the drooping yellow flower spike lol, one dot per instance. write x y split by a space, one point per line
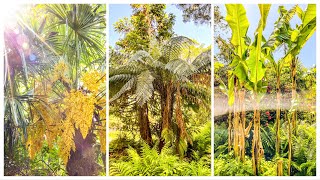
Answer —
92 80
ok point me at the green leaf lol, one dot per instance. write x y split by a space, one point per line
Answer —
309 14
255 66
264 11
294 35
241 72
239 24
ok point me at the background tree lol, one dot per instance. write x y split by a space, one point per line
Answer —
198 13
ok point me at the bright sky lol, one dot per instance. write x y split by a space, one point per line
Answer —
307 54
200 33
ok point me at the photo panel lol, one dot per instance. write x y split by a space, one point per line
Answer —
265 90
54 90
160 90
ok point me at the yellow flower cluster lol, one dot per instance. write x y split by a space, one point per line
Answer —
92 80
35 138
45 126
60 72
66 142
57 122
79 110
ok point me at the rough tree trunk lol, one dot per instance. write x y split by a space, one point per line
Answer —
83 161
182 135
144 124
166 113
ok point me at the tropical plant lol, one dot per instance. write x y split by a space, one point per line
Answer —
246 64
167 75
58 51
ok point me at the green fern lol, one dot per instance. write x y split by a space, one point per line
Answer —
148 162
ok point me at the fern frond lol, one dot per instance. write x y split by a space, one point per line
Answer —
128 86
144 88
173 49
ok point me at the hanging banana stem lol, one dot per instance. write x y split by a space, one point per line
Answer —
242 124
290 145
294 92
257 148
280 168
278 117
229 130
278 143
236 112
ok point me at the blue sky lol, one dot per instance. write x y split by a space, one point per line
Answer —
307 54
201 33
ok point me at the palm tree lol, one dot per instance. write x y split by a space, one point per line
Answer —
73 34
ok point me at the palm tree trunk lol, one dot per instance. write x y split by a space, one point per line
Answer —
83 162
279 168
144 124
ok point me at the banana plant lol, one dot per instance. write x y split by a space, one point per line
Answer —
256 68
295 40
298 38
239 24
277 38
247 73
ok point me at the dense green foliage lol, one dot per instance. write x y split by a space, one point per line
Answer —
159 98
